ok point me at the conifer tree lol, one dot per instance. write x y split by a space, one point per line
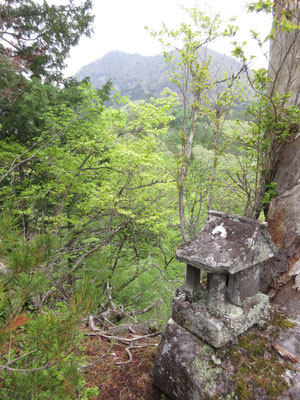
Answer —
35 40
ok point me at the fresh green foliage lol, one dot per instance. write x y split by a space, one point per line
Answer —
205 96
283 14
23 121
262 5
89 192
98 179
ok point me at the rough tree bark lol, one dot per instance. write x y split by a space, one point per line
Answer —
283 214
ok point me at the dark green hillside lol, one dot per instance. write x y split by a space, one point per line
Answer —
140 77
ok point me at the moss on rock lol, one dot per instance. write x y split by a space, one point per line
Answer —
259 372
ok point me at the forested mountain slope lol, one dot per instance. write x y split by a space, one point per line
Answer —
141 77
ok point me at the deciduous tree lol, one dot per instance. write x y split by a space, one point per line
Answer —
187 56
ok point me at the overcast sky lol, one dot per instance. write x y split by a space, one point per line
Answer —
119 25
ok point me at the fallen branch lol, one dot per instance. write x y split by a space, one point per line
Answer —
145 310
144 345
130 357
98 359
284 353
118 313
134 347
92 325
121 339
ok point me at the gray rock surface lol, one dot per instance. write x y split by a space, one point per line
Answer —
220 325
184 366
288 301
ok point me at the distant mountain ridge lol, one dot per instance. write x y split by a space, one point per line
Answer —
141 77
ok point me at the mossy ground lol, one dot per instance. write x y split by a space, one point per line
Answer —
257 369
279 319
130 381
254 369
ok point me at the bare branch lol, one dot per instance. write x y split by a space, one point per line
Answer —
130 357
146 185
42 368
3 367
121 339
14 166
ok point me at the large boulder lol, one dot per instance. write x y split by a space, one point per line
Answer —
186 368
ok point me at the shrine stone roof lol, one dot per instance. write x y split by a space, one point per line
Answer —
228 243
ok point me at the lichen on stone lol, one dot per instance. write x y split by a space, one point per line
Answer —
208 372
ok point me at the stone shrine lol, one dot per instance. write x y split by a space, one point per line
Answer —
230 250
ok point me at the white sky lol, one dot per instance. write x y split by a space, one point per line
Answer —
119 25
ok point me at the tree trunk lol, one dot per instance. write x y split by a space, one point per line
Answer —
187 152
283 214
